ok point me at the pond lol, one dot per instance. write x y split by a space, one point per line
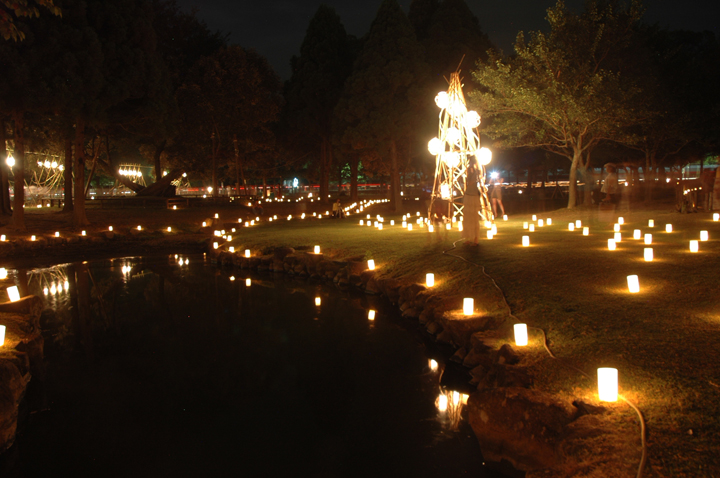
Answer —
170 366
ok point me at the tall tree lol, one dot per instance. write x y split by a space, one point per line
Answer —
563 91
383 95
314 89
12 9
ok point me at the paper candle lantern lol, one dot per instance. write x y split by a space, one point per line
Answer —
526 241
525 225
621 220
247 252
704 236
2 238
371 314
637 233
694 246
651 223
618 237
505 218
316 250
448 226
716 217
248 282
371 264
586 231
232 249
571 227
432 363
392 222
521 335
608 384
2 335
541 223
578 223
431 228
215 245
532 227
429 279
648 239
57 234
317 301
648 254
534 217
633 284
611 245
232 278
489 234
468 306
169 229
616 227
13 293
409 227
668 227
549 222
85 233
3 273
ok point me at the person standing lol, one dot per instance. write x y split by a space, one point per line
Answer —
610 185
471 207
496 197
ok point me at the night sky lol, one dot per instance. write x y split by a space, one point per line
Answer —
276 28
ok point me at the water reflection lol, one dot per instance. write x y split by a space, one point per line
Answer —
170 362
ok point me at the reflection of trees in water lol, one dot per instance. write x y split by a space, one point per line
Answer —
450 404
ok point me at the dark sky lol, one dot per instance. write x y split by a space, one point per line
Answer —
276 28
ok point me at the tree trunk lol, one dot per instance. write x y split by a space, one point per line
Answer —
79 217
237 165
572 186
214 168
325 159
354 166
5 207
649 177
159 148
68 176
96 152
394 178
19 173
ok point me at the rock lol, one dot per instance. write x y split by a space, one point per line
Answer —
521 426
500 375
459 355
281 252
425 316
507 355
475 357
371 287
367 276
433 327
461 327
390 288
412 313
588 409
354 280
410 292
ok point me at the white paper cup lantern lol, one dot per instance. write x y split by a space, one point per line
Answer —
468 306
371 314
633 284
618 237
648 254
13 293
371 264
541 223
526 241
430 279
704 236
521 335
3 273
247 252
694 246
232 249
716 217
616 227
532 228
549 221
607 384
578 223
525 225
621 220
534 217
668 227
505 218
648 239
318 301
611 245
2 335
637 234
651 223
571 227
586 231
316 250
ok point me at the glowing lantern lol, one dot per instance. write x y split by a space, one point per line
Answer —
586 231
217 216
431 228
204 224
429 279
541 223
371 314
453 136
468 306
549 222
371 264
521 335
247 252
694 246
169 229
442 403
392 222
13 293
2 335
633 284
57 234
526 241
472 119
532 227
611 244
616 228
362 222
668 227
578 223
409 227
607 384
648 254
704 236
637 233
451 159
435 146
433 364
651 223
3 273
571 227
317 301
248 282
442 100
232 249
484 156
534 217
83 233
716 217
618 237
139 228
2 238
505 218
232 278
215 245
32 238
621 220
316 250
525 225
489 234
648 239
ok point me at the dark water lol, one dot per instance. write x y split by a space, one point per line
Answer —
175 370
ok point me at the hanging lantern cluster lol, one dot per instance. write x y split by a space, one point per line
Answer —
457 144
130 171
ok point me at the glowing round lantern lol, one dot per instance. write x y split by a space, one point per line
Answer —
472 119
435 146
442 100
484 156
521 335
607 384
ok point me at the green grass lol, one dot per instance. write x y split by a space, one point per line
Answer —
665 341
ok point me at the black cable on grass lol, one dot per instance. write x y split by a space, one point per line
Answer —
643 458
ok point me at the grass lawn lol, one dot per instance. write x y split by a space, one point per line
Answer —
665 340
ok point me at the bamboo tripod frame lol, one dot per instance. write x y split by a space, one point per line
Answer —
460 145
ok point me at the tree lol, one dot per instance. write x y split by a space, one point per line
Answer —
21 8
563 91
314 89
383 95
